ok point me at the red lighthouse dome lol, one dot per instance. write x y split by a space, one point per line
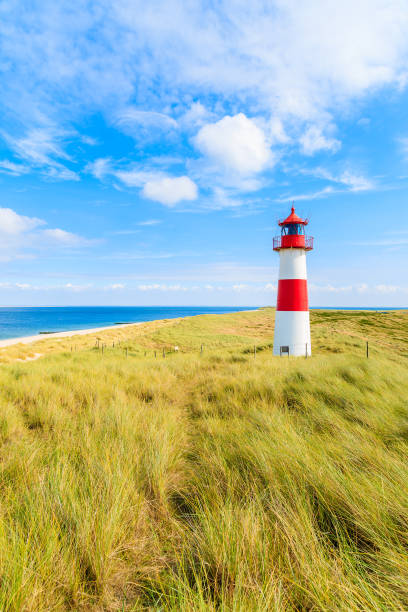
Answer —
293 234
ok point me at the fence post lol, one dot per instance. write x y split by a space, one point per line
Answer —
164 354
254 351
155 354
201 349
306 351
367 349
126 352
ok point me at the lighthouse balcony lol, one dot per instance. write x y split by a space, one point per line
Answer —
293 241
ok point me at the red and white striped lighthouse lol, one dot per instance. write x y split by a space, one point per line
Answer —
292 326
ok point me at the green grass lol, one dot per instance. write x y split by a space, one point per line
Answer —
213 481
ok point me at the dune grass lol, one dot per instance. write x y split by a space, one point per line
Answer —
207 481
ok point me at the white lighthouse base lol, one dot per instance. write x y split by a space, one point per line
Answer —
292 329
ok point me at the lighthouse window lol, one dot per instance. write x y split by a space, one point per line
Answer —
294 229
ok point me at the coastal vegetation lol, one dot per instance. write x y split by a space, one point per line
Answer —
217 477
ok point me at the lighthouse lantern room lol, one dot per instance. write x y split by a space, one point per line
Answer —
292 325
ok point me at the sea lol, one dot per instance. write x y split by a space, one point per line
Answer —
16 322
29 321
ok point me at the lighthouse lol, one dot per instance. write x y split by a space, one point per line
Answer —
292 325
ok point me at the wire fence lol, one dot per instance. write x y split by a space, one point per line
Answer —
284 351
355 345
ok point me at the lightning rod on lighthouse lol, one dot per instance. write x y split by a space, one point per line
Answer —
292 325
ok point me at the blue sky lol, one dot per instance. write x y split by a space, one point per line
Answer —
147 150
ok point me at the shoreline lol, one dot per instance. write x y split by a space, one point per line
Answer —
83 332
63 334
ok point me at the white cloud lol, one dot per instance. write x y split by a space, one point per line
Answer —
277 132
348 180
390 289
240 287
236 143
38 146
387 288
77 288
314 140
170 191
269 287
21 236
330 288
99 168
236 288
134 177
149 287
131 176
62 237
13 224
88 140
9 167
321 193
195 115
354 181
132 119
162 287
128 232
41 148
149 222
58 171
403 142
364 121
115 286
22 286
223 198
361 288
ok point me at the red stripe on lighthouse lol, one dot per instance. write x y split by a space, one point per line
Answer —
292 294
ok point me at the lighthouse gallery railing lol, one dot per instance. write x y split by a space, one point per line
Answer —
277 243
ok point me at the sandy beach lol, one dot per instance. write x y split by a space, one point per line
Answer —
63 334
